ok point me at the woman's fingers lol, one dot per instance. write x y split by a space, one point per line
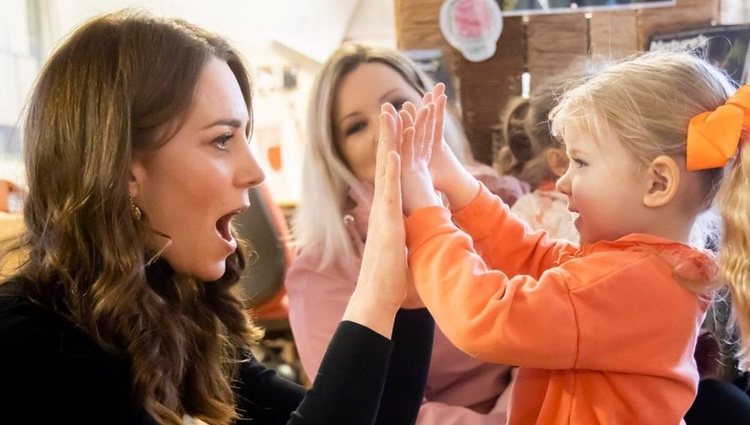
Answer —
420 127
430 128
399 122
408 149
392 187
388 141
438 90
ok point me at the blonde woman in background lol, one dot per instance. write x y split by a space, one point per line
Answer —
330 226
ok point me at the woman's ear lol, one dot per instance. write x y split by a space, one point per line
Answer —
135 180
662 182
557 161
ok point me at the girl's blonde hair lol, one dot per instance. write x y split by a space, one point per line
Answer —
647 102
118 87
326 178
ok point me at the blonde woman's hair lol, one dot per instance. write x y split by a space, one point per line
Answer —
647 102
120 86
326 178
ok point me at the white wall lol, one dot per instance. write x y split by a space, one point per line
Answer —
735 11
17 64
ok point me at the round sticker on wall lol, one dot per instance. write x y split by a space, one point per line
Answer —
472 27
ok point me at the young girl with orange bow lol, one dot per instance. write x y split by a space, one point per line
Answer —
604 331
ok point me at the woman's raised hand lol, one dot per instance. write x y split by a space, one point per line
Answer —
383 281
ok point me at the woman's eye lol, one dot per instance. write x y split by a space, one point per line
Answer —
221 141
355 128
398 104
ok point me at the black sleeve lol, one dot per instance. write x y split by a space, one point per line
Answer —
350 382
410 362
263 397
346 390
719 402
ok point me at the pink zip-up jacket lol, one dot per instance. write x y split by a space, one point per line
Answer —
604 333
461 390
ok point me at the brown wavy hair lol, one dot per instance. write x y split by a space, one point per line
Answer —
119 86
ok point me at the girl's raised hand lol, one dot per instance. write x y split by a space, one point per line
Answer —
443 163
448 174
416 151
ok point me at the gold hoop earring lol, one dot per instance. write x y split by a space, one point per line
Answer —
135 210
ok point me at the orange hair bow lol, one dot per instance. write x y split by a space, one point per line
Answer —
713 137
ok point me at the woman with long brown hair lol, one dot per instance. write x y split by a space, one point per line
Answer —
136 150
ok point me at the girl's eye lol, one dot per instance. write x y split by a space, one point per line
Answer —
221 141
578 162
355 128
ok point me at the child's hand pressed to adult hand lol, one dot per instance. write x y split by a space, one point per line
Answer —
416 150
449 176
444 166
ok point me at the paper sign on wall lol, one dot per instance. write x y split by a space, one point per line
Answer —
472 26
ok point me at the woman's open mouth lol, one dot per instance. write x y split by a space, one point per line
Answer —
223 227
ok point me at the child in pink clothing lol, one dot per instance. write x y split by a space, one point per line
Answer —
604 332
536 157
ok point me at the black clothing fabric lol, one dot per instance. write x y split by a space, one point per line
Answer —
52 372
719 403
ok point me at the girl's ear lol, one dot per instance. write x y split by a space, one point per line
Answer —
662 182
557 161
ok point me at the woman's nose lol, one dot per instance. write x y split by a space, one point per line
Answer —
249 174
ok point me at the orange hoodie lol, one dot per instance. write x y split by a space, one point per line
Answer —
604 333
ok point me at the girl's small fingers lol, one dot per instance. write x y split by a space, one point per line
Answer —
438 90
